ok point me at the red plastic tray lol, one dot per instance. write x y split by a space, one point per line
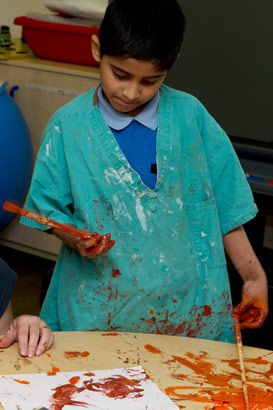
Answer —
59 42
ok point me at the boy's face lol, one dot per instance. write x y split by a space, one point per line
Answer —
127 83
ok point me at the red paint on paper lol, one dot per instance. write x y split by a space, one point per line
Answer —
116 387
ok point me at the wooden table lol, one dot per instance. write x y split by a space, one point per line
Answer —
196 374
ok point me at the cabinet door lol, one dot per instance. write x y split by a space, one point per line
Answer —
41 92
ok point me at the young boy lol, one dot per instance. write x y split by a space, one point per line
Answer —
32 334
150 165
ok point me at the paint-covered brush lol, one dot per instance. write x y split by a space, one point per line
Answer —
8 206
241 359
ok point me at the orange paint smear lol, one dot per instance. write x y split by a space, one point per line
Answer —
74 380
53 371
69 355
110 334
21 381
152 349
259 361
225 399
210 385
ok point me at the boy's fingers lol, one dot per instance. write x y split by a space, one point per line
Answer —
253 320
239 309
249 313
99 249
110 245
107 239
89 244
96 236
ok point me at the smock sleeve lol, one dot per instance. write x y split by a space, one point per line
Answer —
50 194
231 189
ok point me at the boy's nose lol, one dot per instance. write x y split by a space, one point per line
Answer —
131 92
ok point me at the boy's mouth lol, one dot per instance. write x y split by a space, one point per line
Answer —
127 103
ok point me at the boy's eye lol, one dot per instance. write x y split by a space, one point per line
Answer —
119 76
147 82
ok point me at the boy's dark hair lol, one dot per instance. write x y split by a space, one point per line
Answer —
143 29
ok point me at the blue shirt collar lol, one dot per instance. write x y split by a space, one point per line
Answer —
118 120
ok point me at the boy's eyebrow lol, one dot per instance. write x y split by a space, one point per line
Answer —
126 72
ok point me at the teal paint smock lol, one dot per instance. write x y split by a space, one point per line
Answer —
167 272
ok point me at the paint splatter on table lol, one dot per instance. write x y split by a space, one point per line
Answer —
195 374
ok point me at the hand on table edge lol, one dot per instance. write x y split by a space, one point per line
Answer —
33 335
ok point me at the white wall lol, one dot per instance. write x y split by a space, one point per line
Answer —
9 9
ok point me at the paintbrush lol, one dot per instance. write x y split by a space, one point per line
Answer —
241 358
8 206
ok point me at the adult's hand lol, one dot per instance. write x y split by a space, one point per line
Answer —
32 334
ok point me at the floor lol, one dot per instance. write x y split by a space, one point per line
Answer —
32 273
33 276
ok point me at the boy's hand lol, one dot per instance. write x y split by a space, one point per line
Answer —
86 246
83 246
253 309
32 333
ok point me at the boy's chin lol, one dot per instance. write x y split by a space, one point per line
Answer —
132 111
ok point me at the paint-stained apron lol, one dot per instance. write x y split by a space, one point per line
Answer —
166 273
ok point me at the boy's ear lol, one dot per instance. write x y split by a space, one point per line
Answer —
95 44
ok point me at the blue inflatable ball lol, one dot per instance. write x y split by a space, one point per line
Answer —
16 156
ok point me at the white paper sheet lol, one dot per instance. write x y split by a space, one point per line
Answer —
120 389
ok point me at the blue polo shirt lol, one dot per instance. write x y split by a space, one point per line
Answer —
136 136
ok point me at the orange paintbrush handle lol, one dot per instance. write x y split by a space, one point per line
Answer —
8 206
